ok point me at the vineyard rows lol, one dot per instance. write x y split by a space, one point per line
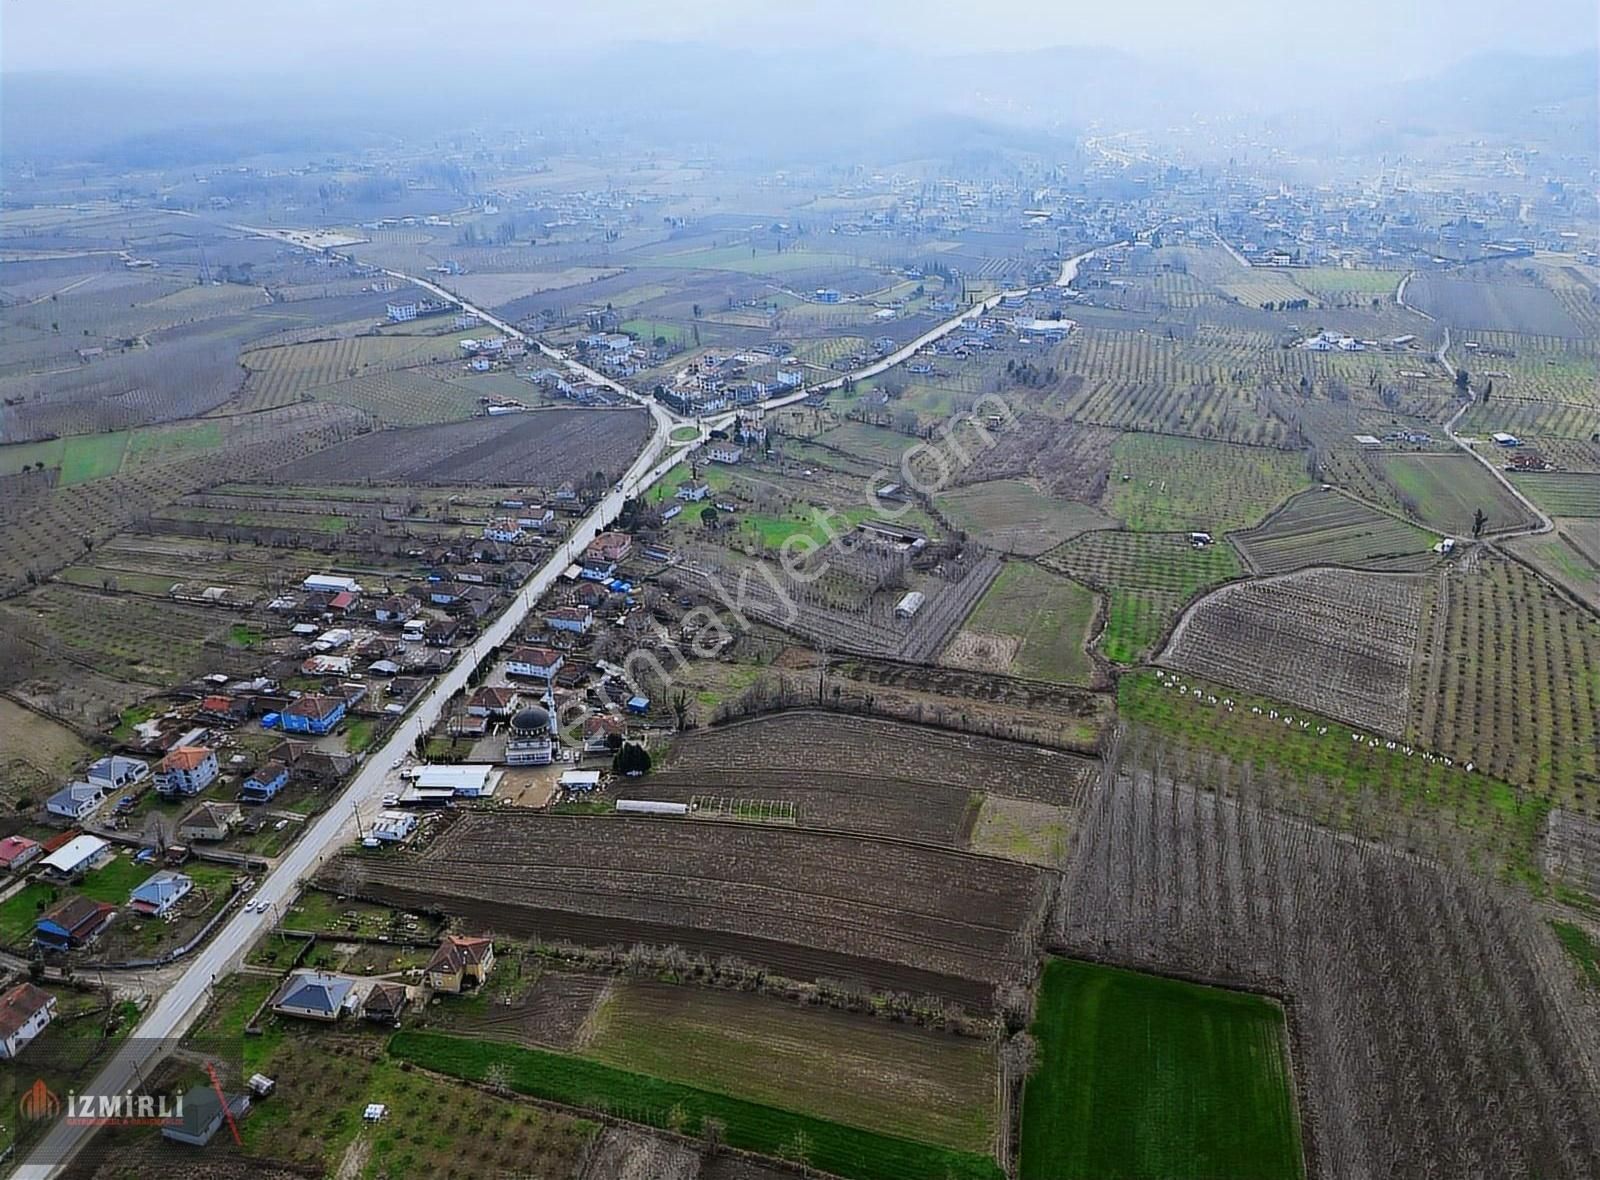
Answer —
1323 527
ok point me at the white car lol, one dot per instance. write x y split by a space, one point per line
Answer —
390 800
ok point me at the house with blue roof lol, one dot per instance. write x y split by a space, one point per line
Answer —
316 995
264 783
156 897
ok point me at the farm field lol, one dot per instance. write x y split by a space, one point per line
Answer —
1563 493
1338 642
1144 1076
1180 867
1512 683
1146 577
1560 557
1021 829
1030 623
1015 516
545 447
1443 491
1323 527
857 1070
36 753
1489 299
1162 484
573 1081
798 901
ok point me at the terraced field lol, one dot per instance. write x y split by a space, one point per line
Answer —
1324 527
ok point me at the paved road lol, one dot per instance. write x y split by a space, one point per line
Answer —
1545 523
358 804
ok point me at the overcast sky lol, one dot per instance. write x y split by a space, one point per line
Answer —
1360 38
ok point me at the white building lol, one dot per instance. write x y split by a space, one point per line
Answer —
330 583
76 857
908 605
393 826
435 784
25 1012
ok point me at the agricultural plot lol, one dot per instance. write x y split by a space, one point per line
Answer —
1144 1076
1338 642
1562 493
1014 516
1021 829
1337 284
1258 285
1162 484
544 448
1491 300
1561 557
1394 968
1146 578
802 902
1444 491
1117 374
1062 459
1322 526
1029 623
855 1070
1510 683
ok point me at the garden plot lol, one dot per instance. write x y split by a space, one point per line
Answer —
1325 527
1394 969
543 448
803 902
1490 300
1338 642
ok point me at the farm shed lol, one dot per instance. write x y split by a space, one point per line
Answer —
330 583
470 780
651 807
909 604
580 780
76 857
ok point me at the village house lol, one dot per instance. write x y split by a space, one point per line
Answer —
393 827
223 710
187 770
209 822
608 549
79 855
25 1012
602 733
313 713
723 452
18 852
156 896
538 663
577 619
493 701
315 995
459 963
116 772
693 491
264 783
75 801
505 529
385 1002
397 608
72 923
203 1115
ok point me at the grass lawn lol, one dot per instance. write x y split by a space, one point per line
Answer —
682 434
856 1070
1184 484
1156 1079
752 1126
1051 615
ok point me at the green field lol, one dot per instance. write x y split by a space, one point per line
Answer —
1051 615
1443 492
1163 484
751 1126
897 1079
1148 1078
1562 493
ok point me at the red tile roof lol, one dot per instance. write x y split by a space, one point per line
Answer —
20 1005
186 758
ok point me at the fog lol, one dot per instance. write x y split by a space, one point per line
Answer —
829 76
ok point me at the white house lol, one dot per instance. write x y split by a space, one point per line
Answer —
693 492
724 453
330 583
156 896
115 772
538 663
76 857
25 1011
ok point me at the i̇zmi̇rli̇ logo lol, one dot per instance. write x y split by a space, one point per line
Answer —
128 1109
